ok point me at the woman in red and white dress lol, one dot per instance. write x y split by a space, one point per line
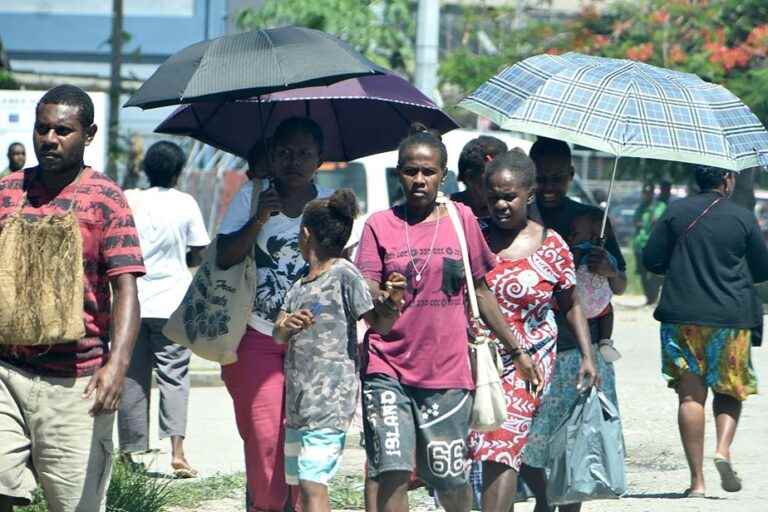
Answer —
534 266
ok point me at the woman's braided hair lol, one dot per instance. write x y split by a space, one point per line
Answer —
420 135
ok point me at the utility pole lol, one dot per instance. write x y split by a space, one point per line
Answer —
115 87
427 42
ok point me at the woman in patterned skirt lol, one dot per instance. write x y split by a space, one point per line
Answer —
533 266
711 251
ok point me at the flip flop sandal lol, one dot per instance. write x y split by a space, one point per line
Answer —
729 479
688 493
182 473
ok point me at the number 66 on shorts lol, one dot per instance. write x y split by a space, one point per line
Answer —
433 424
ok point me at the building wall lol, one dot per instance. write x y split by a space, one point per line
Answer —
45 36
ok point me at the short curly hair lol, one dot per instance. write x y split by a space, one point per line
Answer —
163 163
517 163
476 154
545 146
709 178
72 96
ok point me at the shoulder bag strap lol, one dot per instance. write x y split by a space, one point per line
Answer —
453 214
699 217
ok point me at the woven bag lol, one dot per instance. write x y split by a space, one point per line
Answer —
41 278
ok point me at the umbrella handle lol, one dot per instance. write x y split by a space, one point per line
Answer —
608 202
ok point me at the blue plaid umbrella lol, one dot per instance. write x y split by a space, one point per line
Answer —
626 108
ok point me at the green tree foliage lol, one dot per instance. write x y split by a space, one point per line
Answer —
383 30
7 81
510 40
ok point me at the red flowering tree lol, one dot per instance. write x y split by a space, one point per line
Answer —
722 41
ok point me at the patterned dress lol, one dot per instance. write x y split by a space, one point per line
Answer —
524 289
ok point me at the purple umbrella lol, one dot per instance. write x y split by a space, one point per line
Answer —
359 117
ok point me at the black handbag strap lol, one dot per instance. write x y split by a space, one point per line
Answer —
698 218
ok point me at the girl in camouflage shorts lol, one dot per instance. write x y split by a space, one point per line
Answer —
318 321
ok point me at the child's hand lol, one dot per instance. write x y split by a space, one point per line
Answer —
395 287
298 321
600 264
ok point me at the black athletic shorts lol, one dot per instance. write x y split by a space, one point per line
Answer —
409 428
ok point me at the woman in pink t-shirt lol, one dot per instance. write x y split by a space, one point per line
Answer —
417 381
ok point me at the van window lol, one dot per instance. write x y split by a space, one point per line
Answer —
396 195
335 175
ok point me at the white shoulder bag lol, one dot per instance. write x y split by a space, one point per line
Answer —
489 410
213 316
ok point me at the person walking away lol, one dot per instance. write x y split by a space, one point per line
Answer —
417 381
533 268
704 245
17 157
57 402
472 161
554 173
318 320
171 244
256 381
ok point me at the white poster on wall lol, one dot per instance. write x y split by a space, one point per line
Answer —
17 121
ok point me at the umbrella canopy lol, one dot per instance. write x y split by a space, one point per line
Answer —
250 64
359 117
626 108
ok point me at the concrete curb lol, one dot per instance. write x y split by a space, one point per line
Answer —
205 379
200 379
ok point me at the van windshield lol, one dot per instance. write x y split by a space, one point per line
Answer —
334 175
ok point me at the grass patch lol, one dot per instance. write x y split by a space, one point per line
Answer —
130 490
133 489
38 503
193 492
634 286
347 492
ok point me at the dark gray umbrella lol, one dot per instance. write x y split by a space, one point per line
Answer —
359 117
251 64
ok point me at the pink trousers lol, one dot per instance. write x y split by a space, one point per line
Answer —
255 383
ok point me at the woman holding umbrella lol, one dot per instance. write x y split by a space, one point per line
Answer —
256 380
707 310
417 382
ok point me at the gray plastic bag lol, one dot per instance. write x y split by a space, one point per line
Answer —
586 455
